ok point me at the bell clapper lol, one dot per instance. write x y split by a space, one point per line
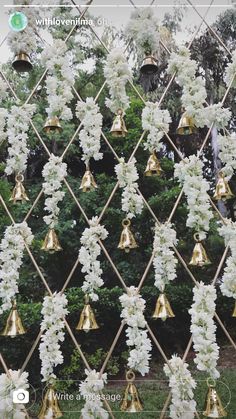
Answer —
19 194
131 401
199 256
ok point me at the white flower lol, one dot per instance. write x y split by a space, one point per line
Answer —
54 310
117 73
228 286
189 173
164 261
91 119
156 121
3 90
127 176
203 329
11 259
182 385
54 172
8 385
90 390
227 153
3 119
231 71
88 257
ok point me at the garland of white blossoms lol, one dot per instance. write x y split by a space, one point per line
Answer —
117 74
54 310
9 409
164 261
90 135
3 118
203 329
228 286
133 306
194 92
127 176
190 175
60 79
11 259
17 126
90 390
88 257
227 153
54 172
157 122
183 405
230 71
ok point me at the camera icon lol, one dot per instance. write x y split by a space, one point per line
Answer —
20 396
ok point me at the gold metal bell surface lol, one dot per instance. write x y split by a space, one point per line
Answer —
153 167
186 125
22 63
234 312
199 256
14 326
51 242
87 319
222 191
88 182
131 401
163 309
50 407
52 125
127 240
149 65
118 128
18 193
214 408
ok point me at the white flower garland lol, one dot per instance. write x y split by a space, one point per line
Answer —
60 79
190 175
8 385
183 405
91 119
3 90
227 153
88 257
17 126
54 310
54 172
143 28
203 329
117 74
133 306
91 389
157 122
231 71
11 259
127 176
228 286
3 119
164 261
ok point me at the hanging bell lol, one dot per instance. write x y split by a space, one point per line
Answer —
234 312
199 256
131 401
52 125
14 326
118 128
153 166
127 240
51 242
50 407
163 309
18 193
88 182
214 408
22 63
222 191
87 319
186 125
149 65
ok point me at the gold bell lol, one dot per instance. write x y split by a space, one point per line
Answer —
88 182
199 256
214 408
14 326
163 309
234 312
18 193
87 319
50 407
51 242
222 191
52 125
118 128
149 65
131 401
22 63
127 240
153 166
186 125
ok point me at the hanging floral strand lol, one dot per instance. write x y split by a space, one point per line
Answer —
90 389
230 71
227 153
8 384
